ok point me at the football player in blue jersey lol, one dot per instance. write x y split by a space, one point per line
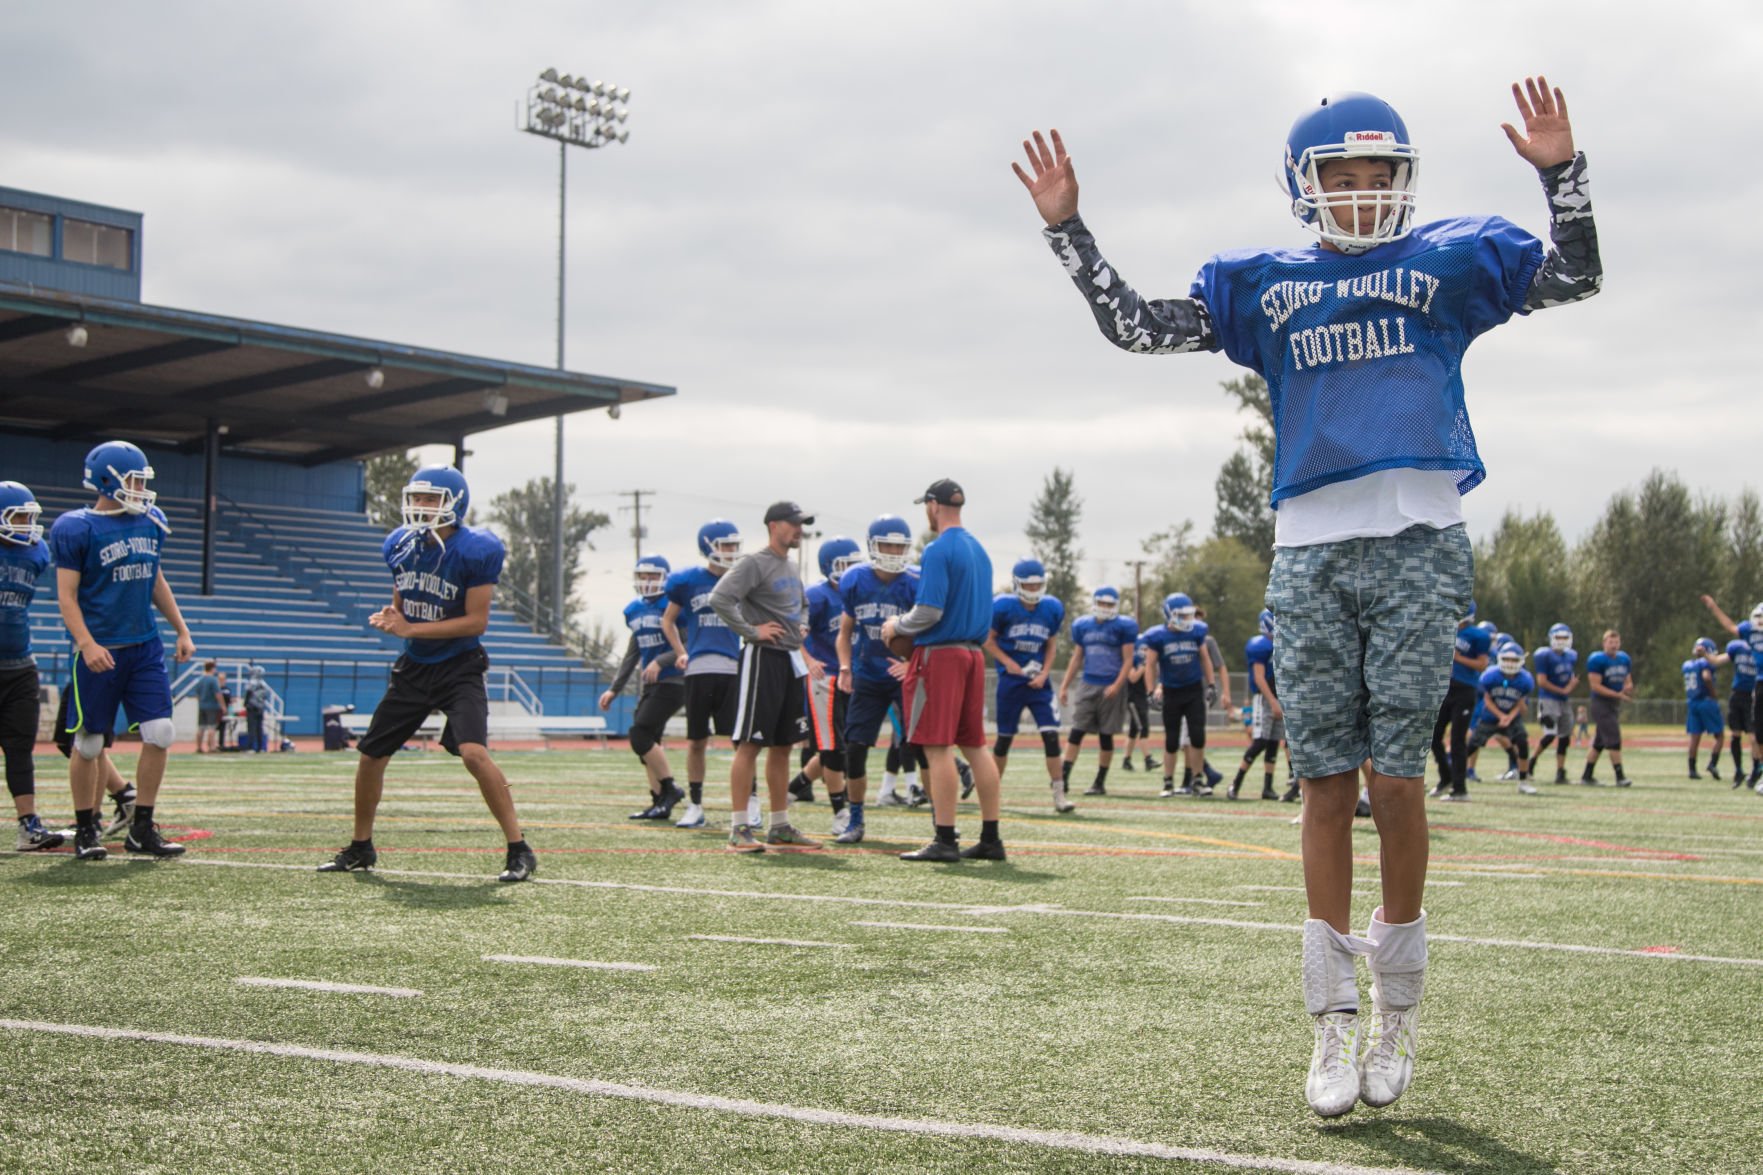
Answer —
1267 720
23 559
1557 675
824 757
444 576
1025 631
1102 645
109 580
663 691
1181 673
1610 674
710 657
1138 710
1470 655
871 593
1505 689
1702 715
1746 651
1361 340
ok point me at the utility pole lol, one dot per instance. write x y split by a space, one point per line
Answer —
636 509
1138 589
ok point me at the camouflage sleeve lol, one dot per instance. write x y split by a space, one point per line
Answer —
1571 272
1154 326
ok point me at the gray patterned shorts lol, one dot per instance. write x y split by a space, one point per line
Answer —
1363 644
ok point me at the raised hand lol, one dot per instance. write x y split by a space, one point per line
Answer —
1548 136
1054 186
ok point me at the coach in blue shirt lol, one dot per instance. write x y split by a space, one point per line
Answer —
946 678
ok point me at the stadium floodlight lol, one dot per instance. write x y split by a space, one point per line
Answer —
556 109
77 335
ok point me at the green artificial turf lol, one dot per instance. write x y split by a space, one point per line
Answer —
1160 1027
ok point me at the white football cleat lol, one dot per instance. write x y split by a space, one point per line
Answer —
1332 1088
753 811
1387 1065
694 817
841 821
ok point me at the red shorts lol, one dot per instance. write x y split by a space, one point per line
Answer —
945 695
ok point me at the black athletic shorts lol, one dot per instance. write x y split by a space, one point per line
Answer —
1138 710
1741 711
1184 704
773 706
710 701
455 687
661 700
20 706
64 736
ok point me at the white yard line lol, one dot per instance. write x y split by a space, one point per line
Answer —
1198 901
1061 1140
774 942
932 926
546 961
317 985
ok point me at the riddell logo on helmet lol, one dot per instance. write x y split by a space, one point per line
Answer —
1370 137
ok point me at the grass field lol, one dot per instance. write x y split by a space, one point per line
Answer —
1122 994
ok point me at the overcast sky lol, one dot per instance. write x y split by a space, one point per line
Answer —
814 233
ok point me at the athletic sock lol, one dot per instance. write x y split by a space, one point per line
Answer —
143 815
696 791
519 846
1065 771
1238 781
86 818
988 832
363 844
667 784
801 778
945 834
1101 776
1187 777
780 820
837 800
856 814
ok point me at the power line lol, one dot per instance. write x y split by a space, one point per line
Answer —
636 510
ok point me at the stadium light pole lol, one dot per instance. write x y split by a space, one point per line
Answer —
575 112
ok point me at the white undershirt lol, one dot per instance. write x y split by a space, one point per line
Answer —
1376 505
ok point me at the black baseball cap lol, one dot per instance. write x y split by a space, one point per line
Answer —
787 512
946 492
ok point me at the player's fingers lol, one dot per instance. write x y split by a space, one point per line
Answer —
1023 176
1535 96
1034 160
1046 155
1560 102
1544 95
1058 147
1524 110
1512 134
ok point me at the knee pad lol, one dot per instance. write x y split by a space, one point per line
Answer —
894 758
89 745
807 756
1197 738
1002 746
1075 738
642 740
21 772
155 732
1105 741
1050 743
832 761
856 760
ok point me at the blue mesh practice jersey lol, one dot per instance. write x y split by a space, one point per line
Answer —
1555 668
869 602
643 617
700 627
1101 641
1022 632
1503 692
825 610
1744 666
117 556
1471 642
431 579
1614 670
1259 651
1178 654
20 568
1752 636
1698 680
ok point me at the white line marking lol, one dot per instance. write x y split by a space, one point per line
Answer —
1198 901
1358 887
1046 910
775 942
316 985
1052 1139
545 961
931 926
1486 873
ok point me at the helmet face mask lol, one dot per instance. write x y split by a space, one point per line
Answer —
1705 647
720 543
836 556
1105 604
1757 616
1179 612
19 512
120 472
890 544
435 497
1356 127
1560 638
650 577
1511 659
1028 579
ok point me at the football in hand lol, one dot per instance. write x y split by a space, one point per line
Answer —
901 645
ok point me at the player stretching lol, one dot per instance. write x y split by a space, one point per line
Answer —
1504 690
1556 676
662 692
444 576
1267 721
1102 646
108 580
1751 633
871 594
1025 630
1180 674
826 702
709 656
1361 342
1610 674
23 559
1702 714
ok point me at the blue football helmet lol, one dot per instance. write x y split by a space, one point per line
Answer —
1179 611
1265 620
19 511
651 576
890 530
1028 579
120 472
1105 602
1352 125
1489 627
1511 658
444 482
1469 615
1502 639
719 541
838 555
1560 637
1706 647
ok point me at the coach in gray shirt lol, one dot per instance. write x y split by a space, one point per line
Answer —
762 599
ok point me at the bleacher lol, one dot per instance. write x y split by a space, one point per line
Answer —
293 591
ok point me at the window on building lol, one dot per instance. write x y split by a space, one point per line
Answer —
25 232
97 244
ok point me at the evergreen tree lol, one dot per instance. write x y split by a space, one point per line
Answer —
1052 535
1245 482
522 517
386 476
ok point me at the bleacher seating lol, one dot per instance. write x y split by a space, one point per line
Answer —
293 591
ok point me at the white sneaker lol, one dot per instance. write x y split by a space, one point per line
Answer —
1387 1065
694 817
1509 775
890 799
753 811
1060 803
1333 1085
1526 788
841 821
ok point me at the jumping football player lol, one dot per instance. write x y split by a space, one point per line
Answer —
1610 675
1180 672
1750 632
23 559
1101 658
1025 631
663 691
1361 342
108 580
708 655
1557 675
444 576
